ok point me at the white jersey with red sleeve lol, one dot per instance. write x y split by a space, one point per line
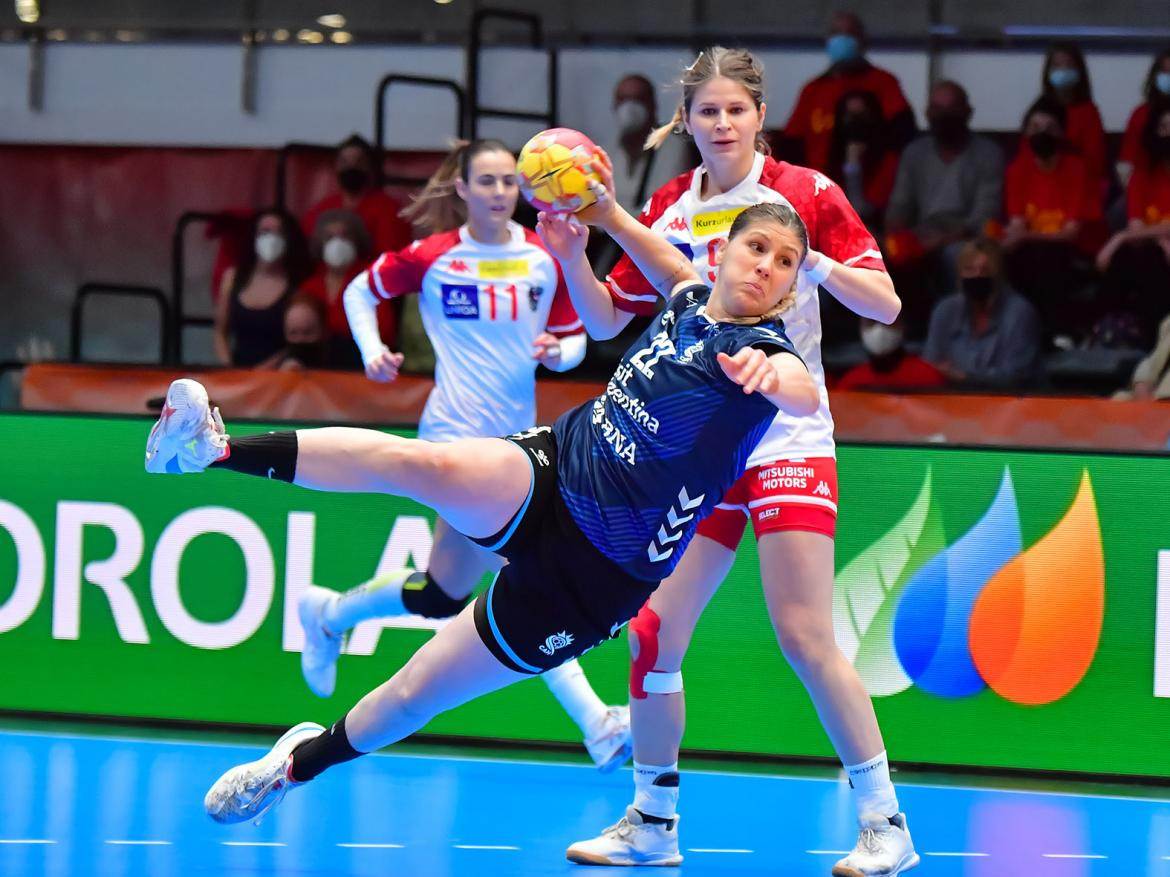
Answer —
482 306
697 226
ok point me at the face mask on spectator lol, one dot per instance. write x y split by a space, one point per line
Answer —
949 129
308 355
269 246
1162 82
631 115
881 340
842 47
353 179
858 128
1044 144
978 289
1063 77
338 252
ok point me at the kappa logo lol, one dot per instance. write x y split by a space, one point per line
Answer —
820 183
557 641
676 224
823 490
458 265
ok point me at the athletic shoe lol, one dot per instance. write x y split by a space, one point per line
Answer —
610 744
630 842
248 791
883 849
189 435
322 646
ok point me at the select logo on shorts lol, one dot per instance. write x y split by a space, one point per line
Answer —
557 641
985 610
460 301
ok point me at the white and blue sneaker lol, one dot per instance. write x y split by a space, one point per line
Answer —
884 848
249 791
189 435
322 646
610 743
631 842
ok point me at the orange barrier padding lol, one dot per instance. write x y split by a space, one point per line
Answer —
343 397
304 396
1031 421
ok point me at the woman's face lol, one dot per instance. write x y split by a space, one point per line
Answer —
757 268
724 121
490 190
301 325
976 265
269 222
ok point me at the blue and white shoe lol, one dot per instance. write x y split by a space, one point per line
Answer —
249 791
189 435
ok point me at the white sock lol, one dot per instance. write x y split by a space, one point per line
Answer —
574 693
872 790
660 801
379 597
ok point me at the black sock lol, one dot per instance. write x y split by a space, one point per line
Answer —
272 455
422 595
323 751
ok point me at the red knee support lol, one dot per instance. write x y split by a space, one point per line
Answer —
645 627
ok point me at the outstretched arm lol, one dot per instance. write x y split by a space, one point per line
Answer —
780 378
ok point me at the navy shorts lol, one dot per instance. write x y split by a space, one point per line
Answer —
558 596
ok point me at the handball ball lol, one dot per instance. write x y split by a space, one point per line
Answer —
555 168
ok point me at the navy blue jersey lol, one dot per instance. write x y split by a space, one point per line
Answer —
640 465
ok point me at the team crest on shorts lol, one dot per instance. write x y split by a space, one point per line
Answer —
556 641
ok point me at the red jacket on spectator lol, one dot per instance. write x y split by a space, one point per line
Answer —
911 372
379 212
1131 141
335 308
1148 196
1048 199
1087 136
813 117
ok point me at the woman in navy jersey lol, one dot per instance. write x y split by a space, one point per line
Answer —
494 307
591 514
789 491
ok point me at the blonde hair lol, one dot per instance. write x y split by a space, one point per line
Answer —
738 65
438 207
785 217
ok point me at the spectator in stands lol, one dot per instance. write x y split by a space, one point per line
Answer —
341 249
1049 199
1151 378
888 365
359 180
812 120
249 312
306 335
949 186
860 157
1136 260
986 336
1066 79
1156 92
639 172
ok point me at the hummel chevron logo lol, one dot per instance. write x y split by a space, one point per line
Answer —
658 550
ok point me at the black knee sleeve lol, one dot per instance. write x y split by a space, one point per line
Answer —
422 595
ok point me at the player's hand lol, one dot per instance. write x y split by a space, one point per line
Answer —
750 369
546 349
383 368
603 211
564 237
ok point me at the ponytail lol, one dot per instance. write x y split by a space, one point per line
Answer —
658 136
438 207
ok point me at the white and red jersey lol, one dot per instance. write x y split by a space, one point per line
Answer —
482 306
697 226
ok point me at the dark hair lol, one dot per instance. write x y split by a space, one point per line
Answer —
294 262
874 150
1083 90
1149 89
365 146
355 229
1048 106
738 65
437 207
1150 130
784 216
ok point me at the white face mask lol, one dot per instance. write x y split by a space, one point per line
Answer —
269 246
338 252
631 115
879 339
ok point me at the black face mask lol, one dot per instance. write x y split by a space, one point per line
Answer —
1160 148
1044 144
353 179
978 289
308 355
858 129
949 129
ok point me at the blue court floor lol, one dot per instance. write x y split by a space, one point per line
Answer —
115 807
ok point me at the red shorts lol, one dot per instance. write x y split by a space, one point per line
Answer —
798 494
